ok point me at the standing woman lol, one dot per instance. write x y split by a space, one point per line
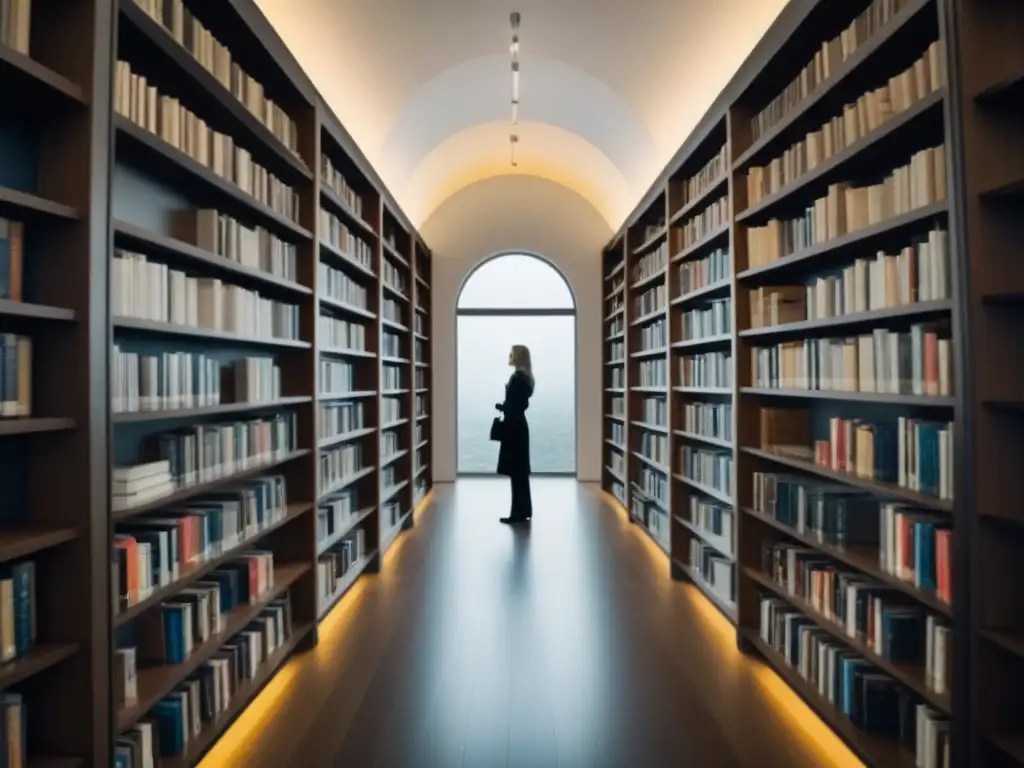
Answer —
514 456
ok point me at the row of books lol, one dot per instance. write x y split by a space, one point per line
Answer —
336 514
391 311
654 335
336 419
651 301
616 352
389 444
654 410
332 178
215 57
655 447
391 408
253 247
700 226
716 522
708 175
708 419
857 119
650 264
712 370
710 321
825 63
711 468
391 377
149 290
714 569
337 234
15 376
696 274
18 607
152 552
341 334
144 104
653 484
336 377
337 464
917 362
394 278
170 728
336 284
617 434
846 208
654 519
175 380
390 344
202 453
918 272
334 565
652 373
870 699
874 614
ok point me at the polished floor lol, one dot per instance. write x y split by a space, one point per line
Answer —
564 645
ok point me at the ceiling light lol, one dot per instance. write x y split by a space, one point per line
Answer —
514 52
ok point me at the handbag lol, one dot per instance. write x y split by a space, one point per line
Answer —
497 429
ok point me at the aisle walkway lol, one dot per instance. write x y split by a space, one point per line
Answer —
564 644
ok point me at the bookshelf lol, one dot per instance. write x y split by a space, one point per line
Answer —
423 404
987 81
238 294
54 670
814 451
613 401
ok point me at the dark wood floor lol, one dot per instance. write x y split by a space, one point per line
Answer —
564 644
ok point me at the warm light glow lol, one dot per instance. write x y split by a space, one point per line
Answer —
233 748
546 151
812 736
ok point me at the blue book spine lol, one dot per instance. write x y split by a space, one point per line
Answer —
21 574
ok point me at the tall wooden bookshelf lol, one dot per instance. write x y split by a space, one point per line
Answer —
220 331
987 79
866 202
613 407
423 405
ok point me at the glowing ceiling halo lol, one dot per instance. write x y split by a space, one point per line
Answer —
481 151
476 91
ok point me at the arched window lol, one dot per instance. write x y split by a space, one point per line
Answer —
517 299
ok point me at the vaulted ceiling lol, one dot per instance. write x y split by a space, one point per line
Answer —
609 88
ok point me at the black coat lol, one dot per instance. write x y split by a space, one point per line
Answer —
514 456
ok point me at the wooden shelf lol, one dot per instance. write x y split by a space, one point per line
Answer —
214 97
168 414
21 541
34 311
17 204
346 583
913 401
875 751
173 329
727 609
355 434
343 261
850 320
863 559
341 210
198 489
191 575
25 80
884 490
38 659
911 676
159 156
339 535
172 248
28 426
156 682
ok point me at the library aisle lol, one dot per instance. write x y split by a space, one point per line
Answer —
563 644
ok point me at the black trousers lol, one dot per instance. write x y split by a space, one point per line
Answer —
522 503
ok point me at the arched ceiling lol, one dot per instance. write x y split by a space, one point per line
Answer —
609 88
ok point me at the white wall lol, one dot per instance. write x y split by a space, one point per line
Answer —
518 213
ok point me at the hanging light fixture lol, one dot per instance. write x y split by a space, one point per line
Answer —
514 52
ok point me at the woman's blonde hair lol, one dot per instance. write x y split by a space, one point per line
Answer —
521 360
